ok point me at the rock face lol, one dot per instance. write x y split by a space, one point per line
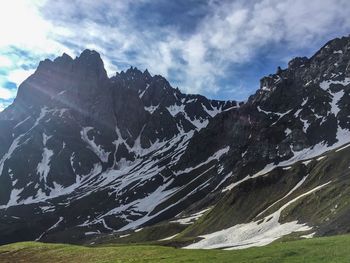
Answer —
84 153
106 143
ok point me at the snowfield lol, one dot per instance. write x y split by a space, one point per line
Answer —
256 233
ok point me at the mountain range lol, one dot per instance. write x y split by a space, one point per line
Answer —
87 158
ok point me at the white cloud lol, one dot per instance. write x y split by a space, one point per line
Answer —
233 32
7 94
23 26
19 75
5 62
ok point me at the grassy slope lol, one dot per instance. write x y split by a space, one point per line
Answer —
327 210
329 249
145 235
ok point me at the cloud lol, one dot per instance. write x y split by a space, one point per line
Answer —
25 40
4 103
7 94
19 75
23 26
5 62
235 33
203 47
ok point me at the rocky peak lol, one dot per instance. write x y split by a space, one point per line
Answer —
64 60
297 62
81 84
330 63
332 58
147 74
91 65
334 46
133 71
132 79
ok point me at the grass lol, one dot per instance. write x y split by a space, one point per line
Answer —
328 249
147 235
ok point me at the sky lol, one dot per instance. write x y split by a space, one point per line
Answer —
217 48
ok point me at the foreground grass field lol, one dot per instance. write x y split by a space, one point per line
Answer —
330 249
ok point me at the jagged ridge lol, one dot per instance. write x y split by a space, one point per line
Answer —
117 153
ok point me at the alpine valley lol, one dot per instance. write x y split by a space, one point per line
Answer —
89 159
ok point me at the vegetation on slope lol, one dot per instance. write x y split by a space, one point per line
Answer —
328 249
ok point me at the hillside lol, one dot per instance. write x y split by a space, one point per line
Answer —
87 158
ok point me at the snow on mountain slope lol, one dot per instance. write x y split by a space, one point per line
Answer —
93 140
257 233
100 154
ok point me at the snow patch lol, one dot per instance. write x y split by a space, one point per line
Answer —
168 238
21 122
43 167
190 219
143 92
307 162
288 194
326 83
256 233
15 144
215 111
52 227
336 97
151 108
176 109
287 131
320 158
343 137
309 235
215 156
342 148
97 149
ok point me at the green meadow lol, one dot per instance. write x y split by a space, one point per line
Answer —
326 249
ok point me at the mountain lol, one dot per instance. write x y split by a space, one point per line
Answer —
88 158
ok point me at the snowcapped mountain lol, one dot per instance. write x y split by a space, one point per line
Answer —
83 154
74 136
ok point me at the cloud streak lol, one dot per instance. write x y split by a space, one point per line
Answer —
204 47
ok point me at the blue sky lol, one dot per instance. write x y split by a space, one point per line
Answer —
217 48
